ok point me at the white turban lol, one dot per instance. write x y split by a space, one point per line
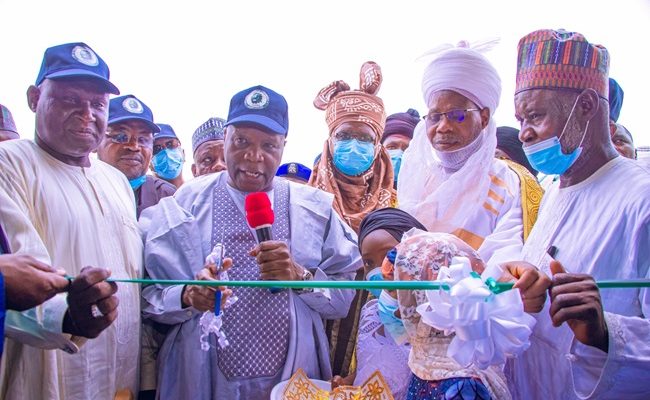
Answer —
465 71
441 200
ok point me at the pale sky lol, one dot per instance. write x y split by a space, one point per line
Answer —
186 59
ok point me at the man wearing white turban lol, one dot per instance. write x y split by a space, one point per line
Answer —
449 179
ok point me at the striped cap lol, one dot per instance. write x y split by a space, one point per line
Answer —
549 59
212 129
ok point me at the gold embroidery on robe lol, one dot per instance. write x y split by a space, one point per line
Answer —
531 195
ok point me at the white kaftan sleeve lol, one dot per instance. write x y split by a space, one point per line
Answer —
170 253
327 247
622 372
40 326
506 241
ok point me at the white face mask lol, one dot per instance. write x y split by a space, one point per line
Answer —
454 160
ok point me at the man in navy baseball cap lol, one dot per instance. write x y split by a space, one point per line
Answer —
168 156
72 60
128 146
260 106
81 212
177 234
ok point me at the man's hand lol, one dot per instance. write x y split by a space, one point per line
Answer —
87 290
338 380
29 282
531 282
275 261
202 297
575 299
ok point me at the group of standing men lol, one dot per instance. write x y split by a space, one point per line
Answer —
68 210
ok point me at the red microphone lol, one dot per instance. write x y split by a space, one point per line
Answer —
259 215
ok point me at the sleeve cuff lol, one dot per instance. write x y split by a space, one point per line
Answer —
172 301
54 313
593 371
172 298
317 294
26 327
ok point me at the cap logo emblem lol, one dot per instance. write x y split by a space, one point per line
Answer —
85 56
256 100
292 169
133 106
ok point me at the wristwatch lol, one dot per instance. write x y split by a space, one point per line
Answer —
306 276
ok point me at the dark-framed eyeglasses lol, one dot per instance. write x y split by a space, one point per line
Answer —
362 137
124 138
457 116
169 144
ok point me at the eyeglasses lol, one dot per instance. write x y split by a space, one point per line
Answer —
170 144
362 137
457 116
124 138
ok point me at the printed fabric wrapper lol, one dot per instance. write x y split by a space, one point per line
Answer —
488 327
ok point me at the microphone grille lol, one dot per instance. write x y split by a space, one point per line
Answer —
258 209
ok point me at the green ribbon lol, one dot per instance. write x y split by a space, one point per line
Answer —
496 287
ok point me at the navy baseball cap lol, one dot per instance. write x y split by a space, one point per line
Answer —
295 170
166 131
129 107
262 106
74 60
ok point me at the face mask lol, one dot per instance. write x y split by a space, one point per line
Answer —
454 160
387 306
547 156
353 157
375 275
396 160
137 182
168 163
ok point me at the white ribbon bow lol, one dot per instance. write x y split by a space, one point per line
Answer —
489 327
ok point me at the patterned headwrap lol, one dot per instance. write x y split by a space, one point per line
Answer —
212 129
401 124
549 59
7 120
344 105
615 99
355 196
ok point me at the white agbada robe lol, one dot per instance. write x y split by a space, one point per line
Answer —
601 227
495 230
79 217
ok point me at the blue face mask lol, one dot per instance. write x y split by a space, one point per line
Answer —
168 163
137 182
353 157
387 306
375 275
396 160
547 156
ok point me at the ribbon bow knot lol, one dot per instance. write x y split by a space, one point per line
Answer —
489 325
